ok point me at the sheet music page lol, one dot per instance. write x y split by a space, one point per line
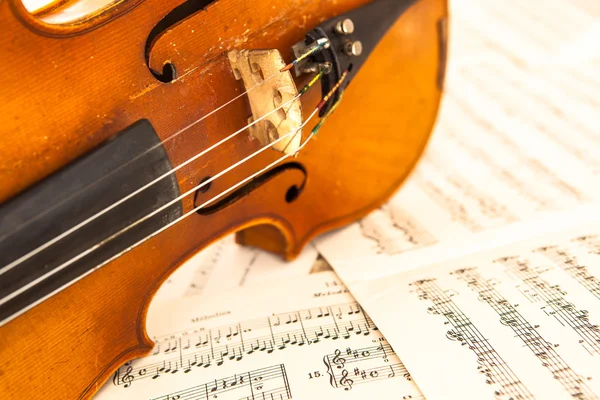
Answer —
531 33
226 265
303 339
517 135
517 322
509 309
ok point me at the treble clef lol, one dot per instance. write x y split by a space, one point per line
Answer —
337 360
126 379
345 381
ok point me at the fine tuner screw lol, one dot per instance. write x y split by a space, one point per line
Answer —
345 27
353 48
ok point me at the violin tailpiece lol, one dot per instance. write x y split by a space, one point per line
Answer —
268 89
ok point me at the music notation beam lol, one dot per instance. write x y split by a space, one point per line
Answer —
571 265
542 349
491 365
269 383
555 299
189 351
395 230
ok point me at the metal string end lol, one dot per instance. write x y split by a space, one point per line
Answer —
315 47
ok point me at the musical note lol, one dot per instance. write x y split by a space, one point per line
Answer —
273 385
571 265
528 334
497 372
368 363
233 343
466 204
394 230
216 356
557 305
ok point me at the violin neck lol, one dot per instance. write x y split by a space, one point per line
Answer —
40 252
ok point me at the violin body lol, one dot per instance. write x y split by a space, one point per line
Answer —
68 88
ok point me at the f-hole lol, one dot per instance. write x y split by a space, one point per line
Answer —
173 18
169 73
290 195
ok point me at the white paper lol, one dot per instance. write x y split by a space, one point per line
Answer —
516 138
515 322
226 265
302 339
533 33
513 161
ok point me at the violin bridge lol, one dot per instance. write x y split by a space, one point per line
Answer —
262 67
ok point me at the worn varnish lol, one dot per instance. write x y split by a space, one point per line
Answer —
66 89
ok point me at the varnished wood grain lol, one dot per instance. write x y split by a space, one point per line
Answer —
65 90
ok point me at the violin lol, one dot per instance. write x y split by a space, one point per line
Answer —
136 132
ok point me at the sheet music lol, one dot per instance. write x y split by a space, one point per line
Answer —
517 136
239 265
510 308
226 265
531 33
270 382
315 341
491 162
517 322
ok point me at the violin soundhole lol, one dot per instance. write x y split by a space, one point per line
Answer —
290 195
174 17
169 73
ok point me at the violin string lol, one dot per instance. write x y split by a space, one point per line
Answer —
322 104
301 92
195 209
319 45
169 138
78 226
218 196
